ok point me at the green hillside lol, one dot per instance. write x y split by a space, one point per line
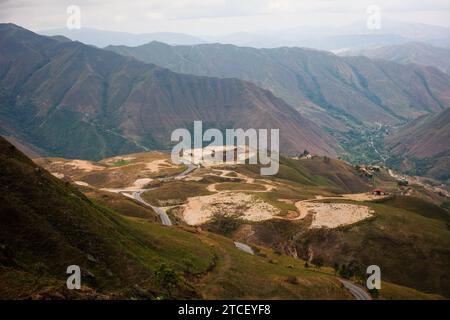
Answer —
47 224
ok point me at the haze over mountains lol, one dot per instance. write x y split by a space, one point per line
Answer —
352 36
74 100
336 92
103 38
412 52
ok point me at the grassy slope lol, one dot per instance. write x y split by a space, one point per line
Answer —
332 175
48 225
175 192
120 204
409 237
409 242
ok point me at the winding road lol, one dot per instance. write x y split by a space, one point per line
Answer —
159 211
358 292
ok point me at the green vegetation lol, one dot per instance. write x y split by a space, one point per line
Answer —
224 224
167 279
122 205
273 199
128 257
408 238
240 186
121 163
330 175
446 205
175 192
390 291
418 206
362 145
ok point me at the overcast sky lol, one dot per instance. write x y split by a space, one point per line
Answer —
216 17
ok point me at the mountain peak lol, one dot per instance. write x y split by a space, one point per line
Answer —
105 104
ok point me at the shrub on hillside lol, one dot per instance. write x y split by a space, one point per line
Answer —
224 224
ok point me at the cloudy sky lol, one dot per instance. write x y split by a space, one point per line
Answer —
216 17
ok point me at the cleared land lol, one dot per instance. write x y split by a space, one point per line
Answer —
200 210
333 215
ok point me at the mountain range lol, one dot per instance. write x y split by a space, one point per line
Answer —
64 98
336 92
103 38
103 194
74 100
355 35
412 52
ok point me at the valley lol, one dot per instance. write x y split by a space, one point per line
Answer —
358 101
92 174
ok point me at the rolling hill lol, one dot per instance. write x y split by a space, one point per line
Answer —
77 101
336 92
407 237
48 224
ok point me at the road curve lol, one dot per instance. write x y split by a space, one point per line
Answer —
244 247
358 292
189 168
159 211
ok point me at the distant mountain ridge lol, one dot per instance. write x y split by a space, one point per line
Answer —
337 92
77 101
412 52
103 38
352 36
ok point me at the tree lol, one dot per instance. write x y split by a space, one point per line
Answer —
343 272
336 268
353 269
318 261
167 278
188 265
374 293
224 224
